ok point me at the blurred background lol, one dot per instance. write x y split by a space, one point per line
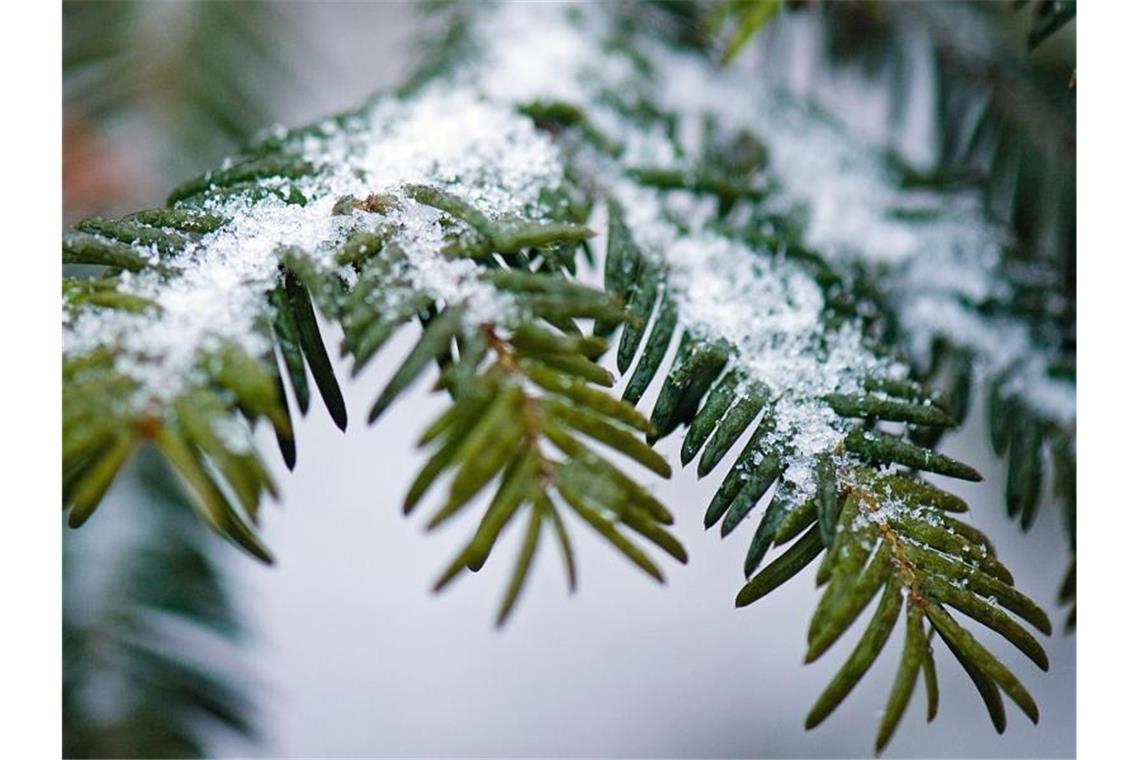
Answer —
177 646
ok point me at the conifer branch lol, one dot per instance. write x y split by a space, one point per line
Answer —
359 220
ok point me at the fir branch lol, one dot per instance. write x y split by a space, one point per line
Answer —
359 219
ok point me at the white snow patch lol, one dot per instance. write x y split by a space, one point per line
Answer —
482 152
463 134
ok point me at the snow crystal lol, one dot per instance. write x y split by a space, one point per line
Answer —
773 314
767 308
931 262
537 51
463 133
482 152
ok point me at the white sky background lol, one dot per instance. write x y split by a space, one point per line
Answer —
355 656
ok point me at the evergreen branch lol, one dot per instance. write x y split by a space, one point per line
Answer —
714 388
134 683
900 545
513 368
894 518
360 220
494 430
510 388
1006 125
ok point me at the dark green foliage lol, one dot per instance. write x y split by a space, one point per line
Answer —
1048 18
101 430
508 392
306 333
695 368
886 449
492 433
653 354
782 569
748 404
1017 433
557 115
915 653
875 407
826 499
179 444
85 248
135 232
726 190
914 552
504 238
241 173
951 379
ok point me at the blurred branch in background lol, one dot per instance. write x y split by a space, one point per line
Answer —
155 92
158 91
148 620
1002 119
